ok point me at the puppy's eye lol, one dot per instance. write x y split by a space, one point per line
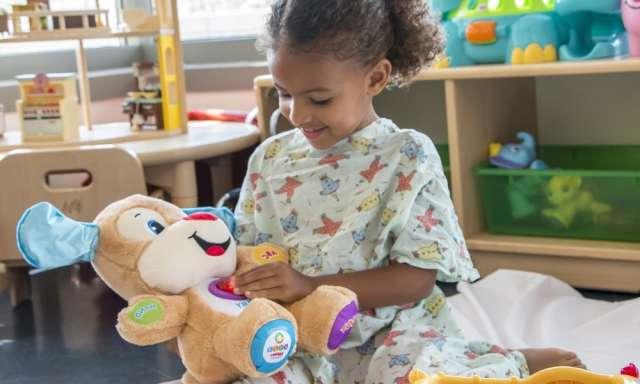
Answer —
155 227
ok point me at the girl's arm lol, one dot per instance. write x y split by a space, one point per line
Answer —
396 284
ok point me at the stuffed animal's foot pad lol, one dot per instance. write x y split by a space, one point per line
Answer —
325 318
260 340
342 326
272 345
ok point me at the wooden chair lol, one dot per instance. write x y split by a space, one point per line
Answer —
79 181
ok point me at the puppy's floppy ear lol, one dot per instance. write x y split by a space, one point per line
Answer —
48 239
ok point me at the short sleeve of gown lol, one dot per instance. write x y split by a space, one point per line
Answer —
426 233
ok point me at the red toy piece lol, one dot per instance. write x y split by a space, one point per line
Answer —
630 370
226 286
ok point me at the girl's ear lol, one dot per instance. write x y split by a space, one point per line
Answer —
378 77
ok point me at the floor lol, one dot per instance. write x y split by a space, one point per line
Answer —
66 335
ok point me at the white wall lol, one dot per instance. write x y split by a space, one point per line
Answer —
601 109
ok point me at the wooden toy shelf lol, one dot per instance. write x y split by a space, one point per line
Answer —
492 103
532 70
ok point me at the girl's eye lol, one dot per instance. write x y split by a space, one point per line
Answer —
155 227
321 102
283 95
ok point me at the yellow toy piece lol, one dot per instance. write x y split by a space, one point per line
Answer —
171 108
555 375
494 149
441 62
171 73
269 253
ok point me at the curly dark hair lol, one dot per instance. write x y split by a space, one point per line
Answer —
403 31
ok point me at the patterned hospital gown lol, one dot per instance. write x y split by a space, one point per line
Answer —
376 196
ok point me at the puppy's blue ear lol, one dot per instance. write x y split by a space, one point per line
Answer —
48 239
222 213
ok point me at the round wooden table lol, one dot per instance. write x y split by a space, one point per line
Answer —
168 157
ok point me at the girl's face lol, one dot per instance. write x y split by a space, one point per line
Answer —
325 98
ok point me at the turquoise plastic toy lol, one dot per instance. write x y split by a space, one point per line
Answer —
531 31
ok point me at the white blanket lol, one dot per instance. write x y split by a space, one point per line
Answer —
518 309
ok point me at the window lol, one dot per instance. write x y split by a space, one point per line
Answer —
61 5
205 19
199 19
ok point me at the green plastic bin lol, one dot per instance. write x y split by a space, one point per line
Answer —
590 192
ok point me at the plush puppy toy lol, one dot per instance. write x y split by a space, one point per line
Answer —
172 267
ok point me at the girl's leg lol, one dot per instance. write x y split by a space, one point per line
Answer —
428 349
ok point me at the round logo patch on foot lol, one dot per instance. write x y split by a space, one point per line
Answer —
272 345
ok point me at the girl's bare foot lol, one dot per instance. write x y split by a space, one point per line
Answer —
541 358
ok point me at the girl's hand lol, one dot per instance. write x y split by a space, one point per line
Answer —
275 281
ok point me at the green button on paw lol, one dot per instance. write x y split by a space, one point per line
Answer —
147 311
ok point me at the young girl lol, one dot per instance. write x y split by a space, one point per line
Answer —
360 203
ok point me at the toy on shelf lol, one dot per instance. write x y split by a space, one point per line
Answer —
516 156
173 267
631 18
595 29
555 375
144 106
532 31
48 109
524 191
568 199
